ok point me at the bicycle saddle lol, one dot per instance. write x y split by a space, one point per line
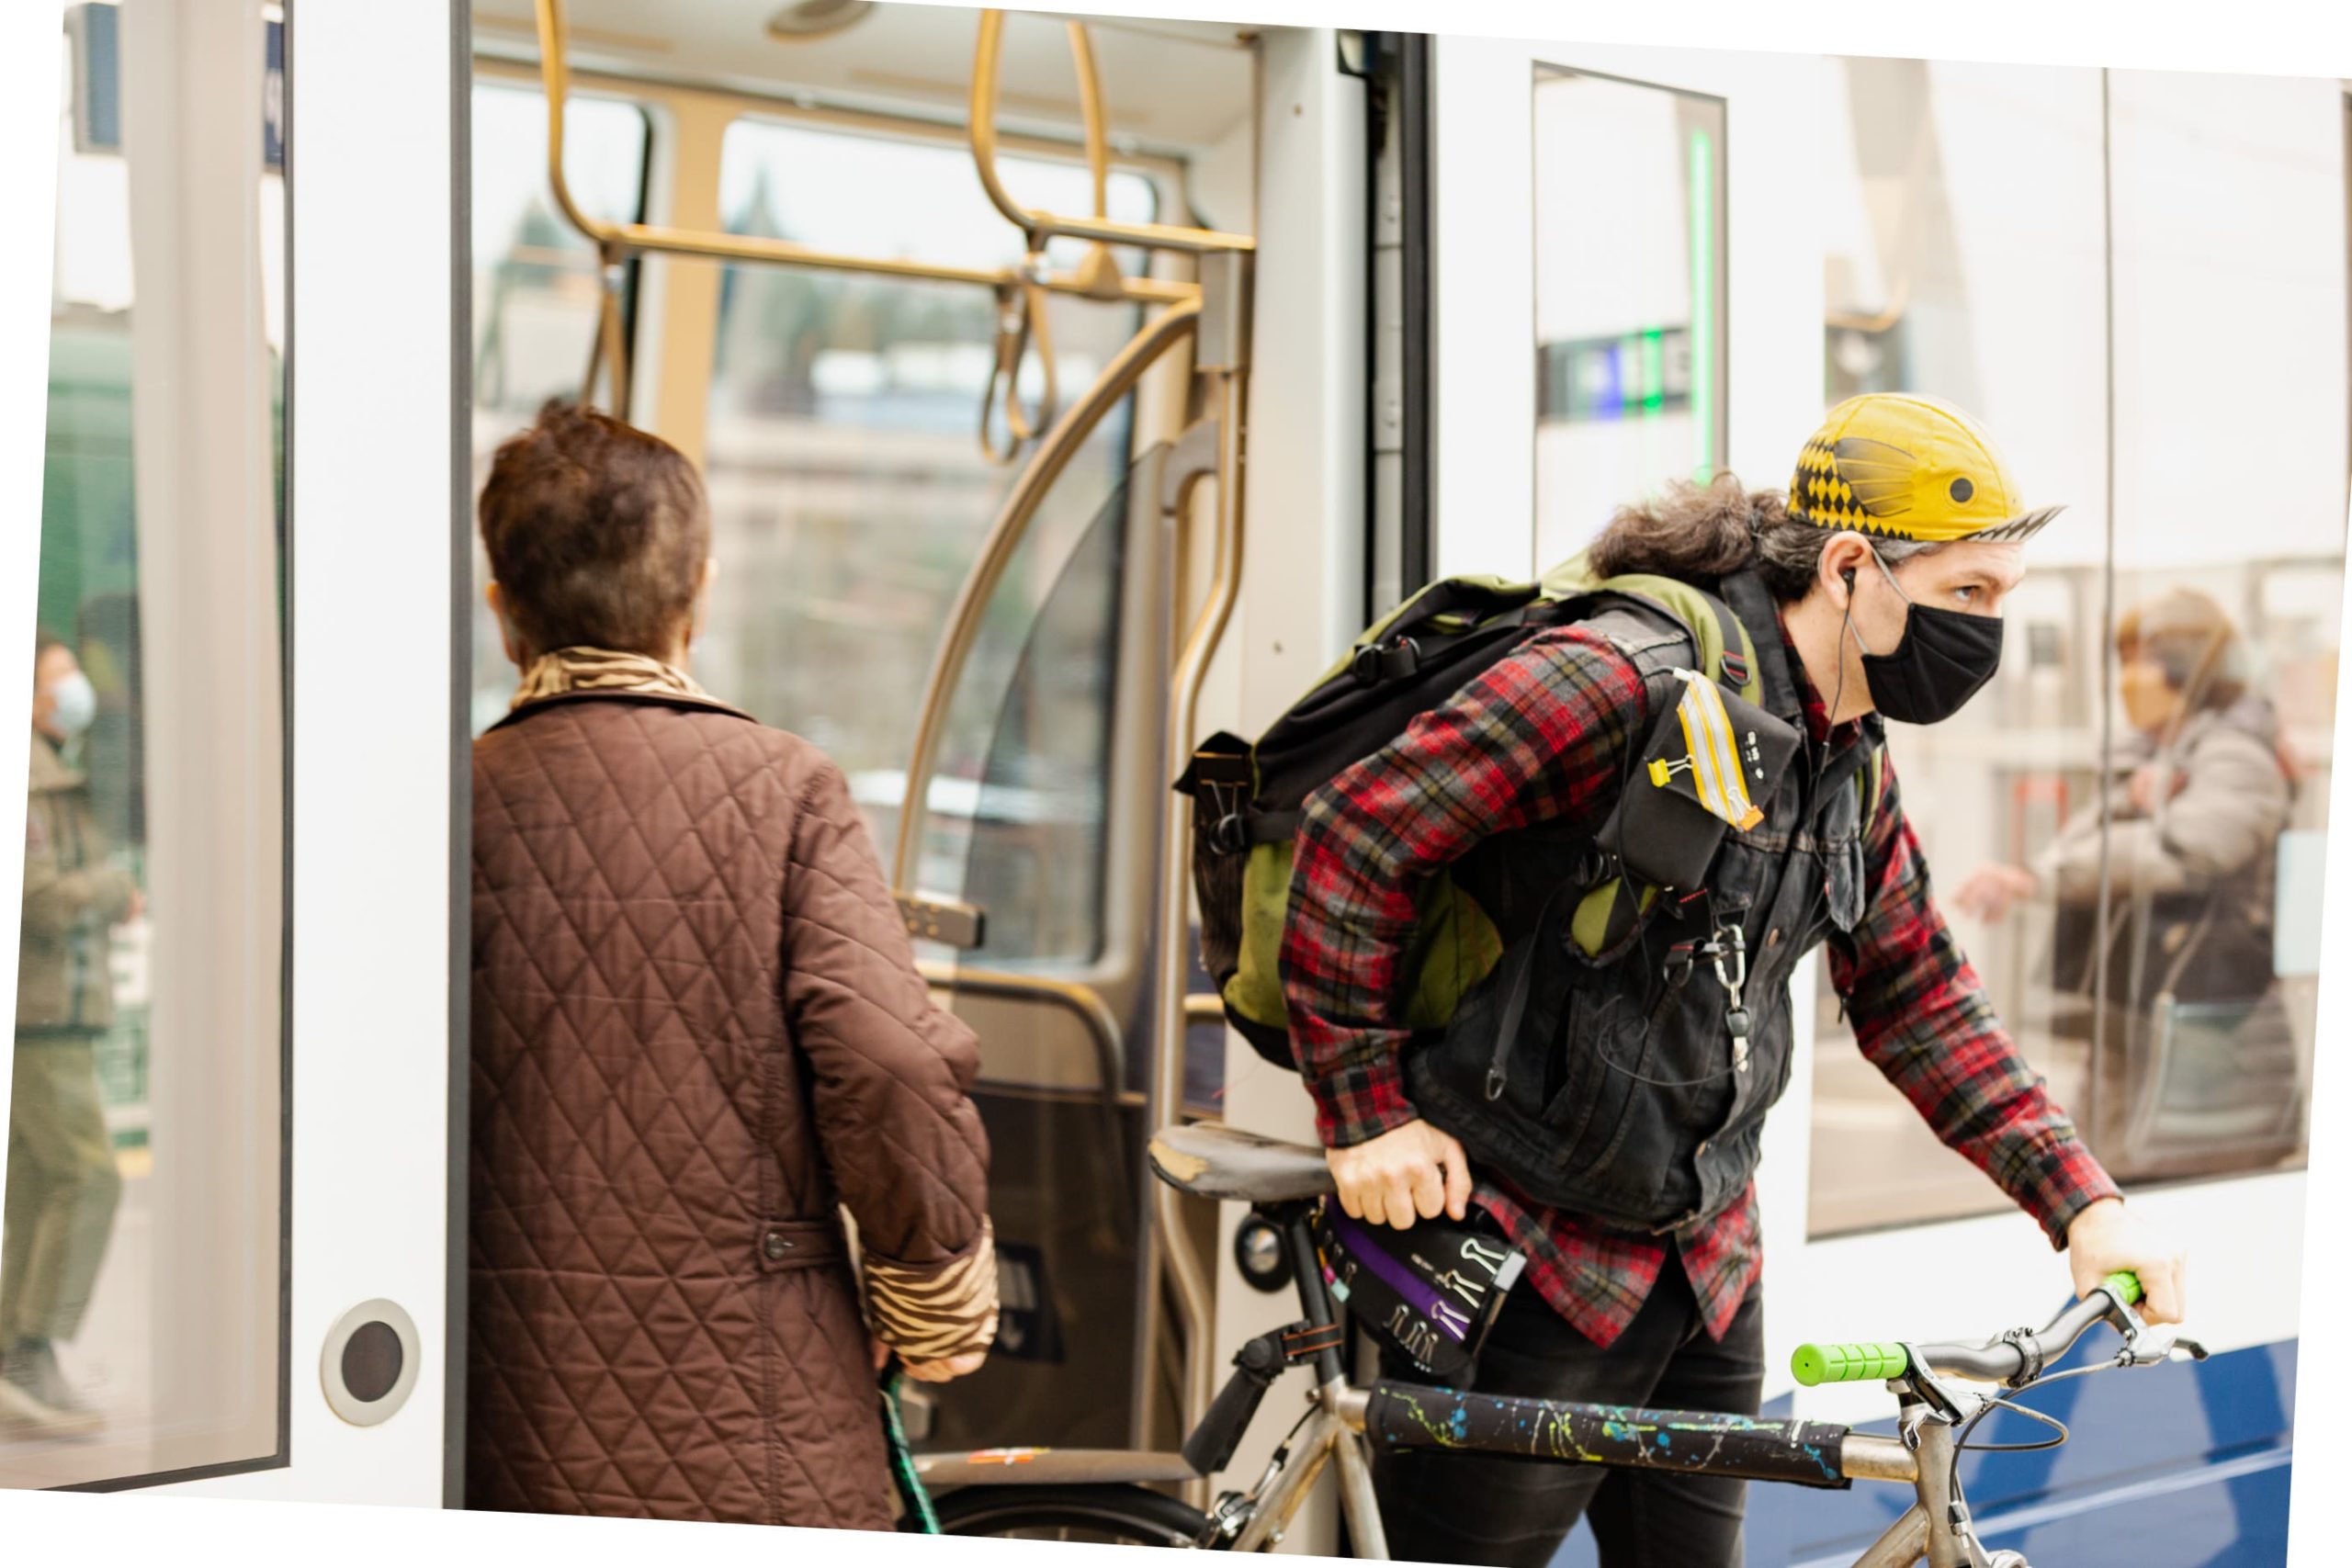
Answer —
1211 1160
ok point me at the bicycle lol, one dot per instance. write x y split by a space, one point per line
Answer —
1106 1494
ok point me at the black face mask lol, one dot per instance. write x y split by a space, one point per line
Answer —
1944 659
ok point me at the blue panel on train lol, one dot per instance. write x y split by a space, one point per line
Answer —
2176 1467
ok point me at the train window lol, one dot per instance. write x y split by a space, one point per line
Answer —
2055 808
849 494
2225 645
1630 285
140 1307
535 285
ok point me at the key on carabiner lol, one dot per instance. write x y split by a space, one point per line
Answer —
1732 941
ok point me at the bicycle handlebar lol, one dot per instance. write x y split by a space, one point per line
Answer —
2003 1361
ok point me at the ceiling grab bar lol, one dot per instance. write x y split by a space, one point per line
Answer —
1039 225
623 241
1022 309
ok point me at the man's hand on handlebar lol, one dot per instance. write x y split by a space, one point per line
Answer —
2107 1236
1412 1173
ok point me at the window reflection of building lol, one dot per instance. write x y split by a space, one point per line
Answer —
1968 257
850 492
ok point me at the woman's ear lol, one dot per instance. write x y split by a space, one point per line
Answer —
496 599
700 613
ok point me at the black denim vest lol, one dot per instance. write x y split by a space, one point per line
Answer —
1621 1101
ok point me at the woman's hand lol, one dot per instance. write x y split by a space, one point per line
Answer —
1991 891
2107 1236
2155 784
1413 1173
948 1370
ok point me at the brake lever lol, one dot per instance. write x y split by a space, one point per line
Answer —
2154 1346
1943 1402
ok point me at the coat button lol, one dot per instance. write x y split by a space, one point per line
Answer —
774 1245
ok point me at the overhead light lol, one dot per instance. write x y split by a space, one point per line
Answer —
817 18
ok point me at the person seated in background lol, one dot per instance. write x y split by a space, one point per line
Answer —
2196 796
64 1184
699 1032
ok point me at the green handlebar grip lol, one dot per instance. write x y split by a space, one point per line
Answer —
2124 1286
1818 1364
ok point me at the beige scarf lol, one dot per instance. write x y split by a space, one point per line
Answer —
602 670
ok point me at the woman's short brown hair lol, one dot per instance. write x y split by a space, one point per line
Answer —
596 532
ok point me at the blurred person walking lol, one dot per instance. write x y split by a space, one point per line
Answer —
64 1185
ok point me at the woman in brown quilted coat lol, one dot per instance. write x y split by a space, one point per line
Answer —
699 1035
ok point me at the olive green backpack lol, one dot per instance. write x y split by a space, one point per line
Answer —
1248 798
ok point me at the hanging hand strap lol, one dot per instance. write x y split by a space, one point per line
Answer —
1022 319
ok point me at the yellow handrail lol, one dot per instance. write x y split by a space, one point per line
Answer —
644 238
1041 226
1045 465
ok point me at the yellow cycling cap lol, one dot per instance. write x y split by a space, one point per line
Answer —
1909 466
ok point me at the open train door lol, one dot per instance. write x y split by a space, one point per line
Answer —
250 538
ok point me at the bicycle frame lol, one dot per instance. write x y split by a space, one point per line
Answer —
1347 1420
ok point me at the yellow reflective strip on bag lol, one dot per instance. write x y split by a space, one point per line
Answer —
1715 752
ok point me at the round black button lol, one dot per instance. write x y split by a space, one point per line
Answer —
371 1361
1963 491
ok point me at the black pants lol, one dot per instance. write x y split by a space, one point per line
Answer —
1489 1509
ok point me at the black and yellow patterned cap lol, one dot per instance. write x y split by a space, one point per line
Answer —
1908 467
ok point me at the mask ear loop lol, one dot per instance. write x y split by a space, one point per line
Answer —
1844 630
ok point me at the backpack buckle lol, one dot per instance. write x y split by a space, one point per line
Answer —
1396 660
1734 667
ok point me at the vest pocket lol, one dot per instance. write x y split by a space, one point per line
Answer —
1604 1051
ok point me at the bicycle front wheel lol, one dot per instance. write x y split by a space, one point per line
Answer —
1114 1516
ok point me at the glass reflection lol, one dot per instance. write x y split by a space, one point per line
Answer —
2136 809
140 1261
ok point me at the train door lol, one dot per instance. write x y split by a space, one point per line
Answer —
1678 237
233 1054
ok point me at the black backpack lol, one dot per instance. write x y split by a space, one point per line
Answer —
1248 798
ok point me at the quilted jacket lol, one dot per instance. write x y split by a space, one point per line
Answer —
697 1033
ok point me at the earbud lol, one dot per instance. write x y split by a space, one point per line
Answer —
1849 575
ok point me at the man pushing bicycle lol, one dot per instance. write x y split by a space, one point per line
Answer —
1643 817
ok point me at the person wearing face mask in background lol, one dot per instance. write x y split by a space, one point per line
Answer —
1619 1153
64 1184
2196 798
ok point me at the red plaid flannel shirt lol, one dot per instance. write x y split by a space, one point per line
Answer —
1541 736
